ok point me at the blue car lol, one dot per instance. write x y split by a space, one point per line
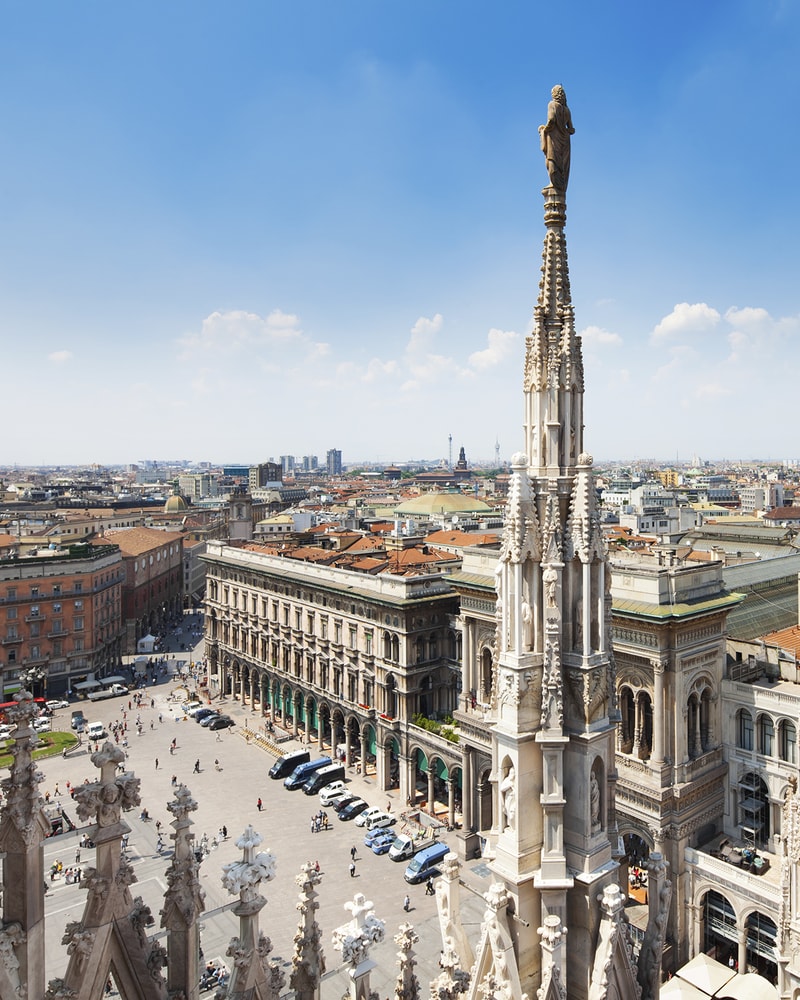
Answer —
372 835
381 845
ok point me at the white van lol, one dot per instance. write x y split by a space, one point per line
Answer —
380 820
364 817
96 731
330 792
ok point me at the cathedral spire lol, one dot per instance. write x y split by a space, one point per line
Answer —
553 363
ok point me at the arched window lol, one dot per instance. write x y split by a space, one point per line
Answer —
766 735
787 741
486 675
744 729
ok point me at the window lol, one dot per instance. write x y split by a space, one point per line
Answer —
766 734
337 632
11 632
34 652
77 623
744 735
56 589
353 638
78 644
34 611
324 624
78 605
11 613
11 593
298 620
368 641
78 588
56 609
58 625
34 591
35 629
788 742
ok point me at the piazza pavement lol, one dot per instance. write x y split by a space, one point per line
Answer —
228 796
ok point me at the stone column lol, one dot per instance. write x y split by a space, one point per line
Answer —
637 726
451 802
348 747
698 742
467 791
741 934
295 714
658 713
431 790
363 753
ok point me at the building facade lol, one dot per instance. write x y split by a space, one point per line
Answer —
359 663
61 617
152 589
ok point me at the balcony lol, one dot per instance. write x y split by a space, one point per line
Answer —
725 861
11 640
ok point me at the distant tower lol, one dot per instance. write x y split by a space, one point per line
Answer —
450 451
497 453
240 515
552 701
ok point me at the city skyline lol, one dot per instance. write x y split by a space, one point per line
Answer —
261 225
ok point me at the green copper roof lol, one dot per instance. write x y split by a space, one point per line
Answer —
660 612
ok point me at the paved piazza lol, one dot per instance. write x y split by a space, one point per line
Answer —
229 797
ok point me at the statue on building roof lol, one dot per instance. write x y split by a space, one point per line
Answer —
554 137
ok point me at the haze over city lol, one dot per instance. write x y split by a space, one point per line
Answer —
238 231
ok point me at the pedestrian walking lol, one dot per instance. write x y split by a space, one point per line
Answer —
224 833
78 856
56 792
313 824
216 765
353 853
259 804
352 869
156 763
407 903
197 769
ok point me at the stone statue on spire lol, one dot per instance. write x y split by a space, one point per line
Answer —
554 137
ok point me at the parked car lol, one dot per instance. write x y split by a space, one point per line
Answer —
381 844
331 792
5 732
55 704
199 714
344 802
78 721
42 724
221 722
380 821
189 706
372 835
372 811
206 722
354 809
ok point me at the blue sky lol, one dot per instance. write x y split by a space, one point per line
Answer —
235 230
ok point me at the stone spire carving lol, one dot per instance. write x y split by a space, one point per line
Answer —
614 970
407 987
113 928
23 827
552 737
354 940
659 896
308 960
254 976
495 973
184 900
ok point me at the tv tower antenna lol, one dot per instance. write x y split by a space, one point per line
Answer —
450 443
497 452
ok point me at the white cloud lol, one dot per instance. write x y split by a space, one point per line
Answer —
500 344
686 319
596 336
59 357
424 331
236 328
